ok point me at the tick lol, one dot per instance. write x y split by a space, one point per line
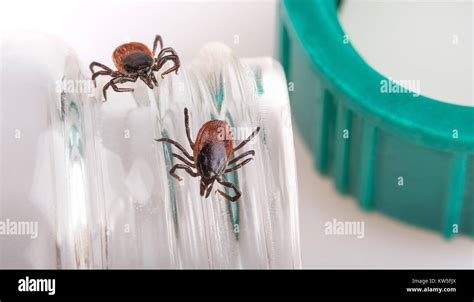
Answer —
135 61
212 151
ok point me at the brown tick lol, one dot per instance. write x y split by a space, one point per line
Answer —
134 61
211 156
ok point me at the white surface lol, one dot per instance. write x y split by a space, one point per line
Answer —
387 243
188 25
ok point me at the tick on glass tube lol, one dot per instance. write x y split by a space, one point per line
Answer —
212 151
135 61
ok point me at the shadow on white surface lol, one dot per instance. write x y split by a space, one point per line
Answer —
387 243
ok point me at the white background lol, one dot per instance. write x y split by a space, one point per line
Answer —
384 34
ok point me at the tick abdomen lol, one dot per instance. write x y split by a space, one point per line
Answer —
130 57
213 132
211 160
137 61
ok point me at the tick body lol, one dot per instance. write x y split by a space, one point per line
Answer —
135 61
211 155
132 58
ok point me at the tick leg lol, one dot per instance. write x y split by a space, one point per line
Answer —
165 59
147 82
91 66
247 139
155 43
186 125
174 68
209 190
161 61
251 152
184 160
112 83
152 76
121 89
183 167
98 73
164 51
239 165
113 74
121 80
235 160
106 86
231 186
177 145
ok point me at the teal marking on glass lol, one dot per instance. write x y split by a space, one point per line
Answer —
169 164
219 96
73 108
233 206
258 80
75 142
